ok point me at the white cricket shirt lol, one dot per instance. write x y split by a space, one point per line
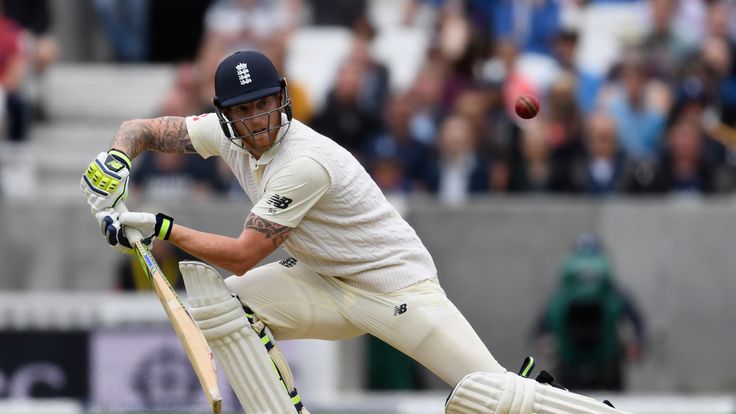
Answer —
342 225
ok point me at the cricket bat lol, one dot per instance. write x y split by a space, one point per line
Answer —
191 338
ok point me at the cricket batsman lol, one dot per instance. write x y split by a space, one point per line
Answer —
356 266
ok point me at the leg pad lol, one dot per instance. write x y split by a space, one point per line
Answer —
486 393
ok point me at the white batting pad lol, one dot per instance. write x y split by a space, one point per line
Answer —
486 393
238 348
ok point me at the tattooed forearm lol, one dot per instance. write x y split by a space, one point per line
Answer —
171 135
165 134
133 137
271 230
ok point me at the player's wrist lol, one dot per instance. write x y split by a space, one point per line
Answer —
164 224
121 156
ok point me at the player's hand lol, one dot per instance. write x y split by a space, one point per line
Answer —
112 229
105 181
150 225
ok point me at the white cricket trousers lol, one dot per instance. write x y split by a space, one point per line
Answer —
418 320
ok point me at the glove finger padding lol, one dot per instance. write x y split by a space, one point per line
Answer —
115 233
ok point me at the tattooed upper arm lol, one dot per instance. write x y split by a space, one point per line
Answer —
274 231
165 134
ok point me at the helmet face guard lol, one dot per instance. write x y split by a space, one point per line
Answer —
248 141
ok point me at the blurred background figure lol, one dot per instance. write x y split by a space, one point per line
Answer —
587 83
344 115
396 159
597 170
684 167
426 96
639 103
535 172
585 320
41 49
665 46
459 171
127 27
563 122
14 106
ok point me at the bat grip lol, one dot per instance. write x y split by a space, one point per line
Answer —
134 236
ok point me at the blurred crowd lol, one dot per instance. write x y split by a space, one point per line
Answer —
632 106
27 49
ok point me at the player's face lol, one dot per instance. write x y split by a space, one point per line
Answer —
256 121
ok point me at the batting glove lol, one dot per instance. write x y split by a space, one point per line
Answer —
112 229
105 181
150 225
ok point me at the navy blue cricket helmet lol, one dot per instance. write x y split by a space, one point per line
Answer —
244 77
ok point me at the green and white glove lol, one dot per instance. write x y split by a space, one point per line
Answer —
109 220
116 227
150 225
105 181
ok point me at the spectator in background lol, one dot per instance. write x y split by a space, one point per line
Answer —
531 24
395 158
581 322
426 96
298 91
42 49
459 170
343 117
698 101
375 79
663 45
718 17
516 83
588 84
683 168
562 119
500 136
457 51
126 23
535 172
718 59
185 96
12 66
598 170
476 17
639 103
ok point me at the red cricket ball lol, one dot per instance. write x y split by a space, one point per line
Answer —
526 106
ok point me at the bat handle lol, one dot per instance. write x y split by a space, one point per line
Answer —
134 236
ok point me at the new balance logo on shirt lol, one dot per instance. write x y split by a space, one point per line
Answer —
398 310
279 202
288 262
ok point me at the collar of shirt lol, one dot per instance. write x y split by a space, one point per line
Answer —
270 153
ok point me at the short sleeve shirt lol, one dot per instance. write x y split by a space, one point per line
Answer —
290 192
